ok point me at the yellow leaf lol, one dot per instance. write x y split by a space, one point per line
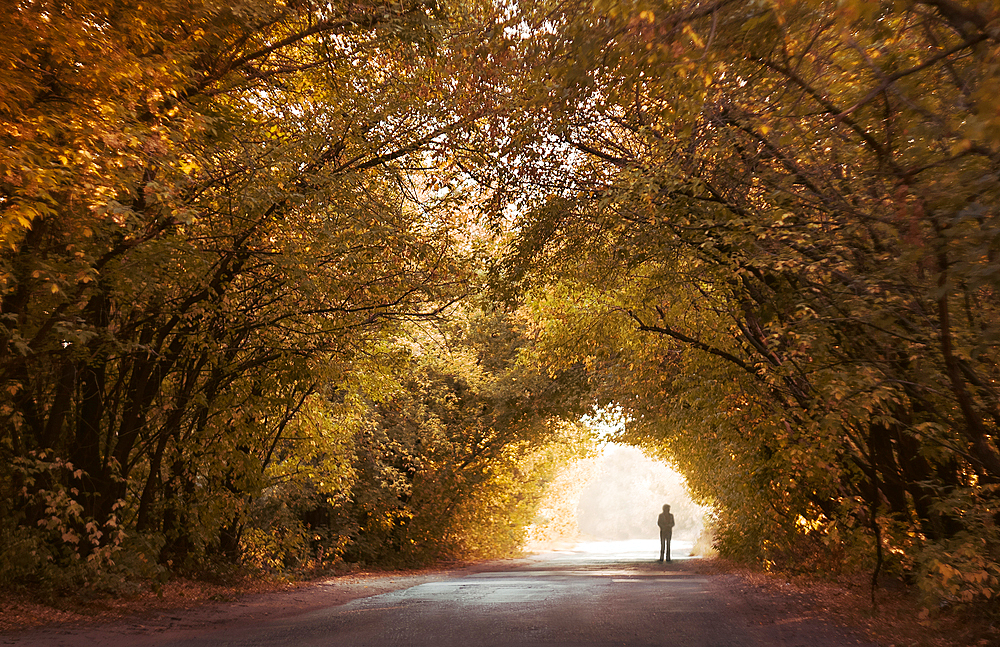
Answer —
693 35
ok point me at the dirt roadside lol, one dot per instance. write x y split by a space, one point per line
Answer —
185 604
898 621
189 606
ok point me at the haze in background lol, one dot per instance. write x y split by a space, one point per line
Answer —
615 496
626 493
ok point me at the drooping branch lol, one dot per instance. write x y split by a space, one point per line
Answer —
665 329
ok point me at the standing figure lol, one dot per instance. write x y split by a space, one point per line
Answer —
666 523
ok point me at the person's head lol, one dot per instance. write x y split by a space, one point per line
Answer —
666 508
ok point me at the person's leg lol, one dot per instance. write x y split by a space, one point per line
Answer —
662 545
666 540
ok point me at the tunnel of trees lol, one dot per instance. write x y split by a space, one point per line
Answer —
289 283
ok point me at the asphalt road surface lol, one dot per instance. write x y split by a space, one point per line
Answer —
595 595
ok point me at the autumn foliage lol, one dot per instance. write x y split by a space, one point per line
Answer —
771 228
292 283
222 227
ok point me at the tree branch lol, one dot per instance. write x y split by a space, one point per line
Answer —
679 336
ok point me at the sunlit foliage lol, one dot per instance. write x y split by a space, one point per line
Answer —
773 225
211 214
241 251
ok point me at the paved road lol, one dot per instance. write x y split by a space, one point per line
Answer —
595 596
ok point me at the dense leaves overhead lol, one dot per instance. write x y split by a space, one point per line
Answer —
765 232
792 205
210 212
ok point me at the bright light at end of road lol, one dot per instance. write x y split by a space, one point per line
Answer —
615 497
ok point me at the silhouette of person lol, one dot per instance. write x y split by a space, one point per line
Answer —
666 523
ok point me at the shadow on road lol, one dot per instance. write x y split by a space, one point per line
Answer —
637 555
591 594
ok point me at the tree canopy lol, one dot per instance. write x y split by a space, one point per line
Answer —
775 224
354 271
